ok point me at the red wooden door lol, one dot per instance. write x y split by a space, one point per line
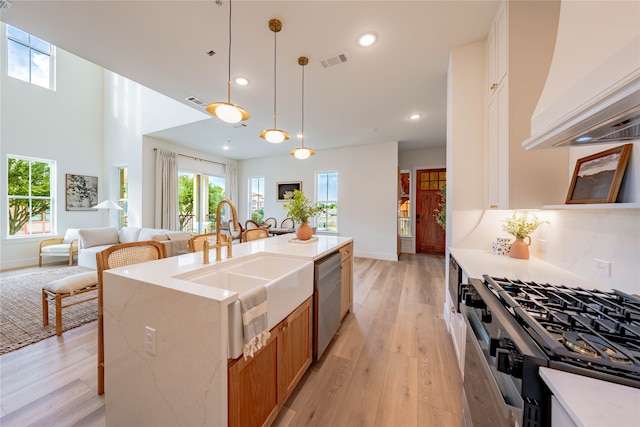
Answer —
430 237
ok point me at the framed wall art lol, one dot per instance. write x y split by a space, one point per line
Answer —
282 188
597 178
81 192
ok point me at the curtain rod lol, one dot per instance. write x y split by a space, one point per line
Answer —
196 158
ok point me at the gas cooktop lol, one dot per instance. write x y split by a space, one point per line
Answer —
585 330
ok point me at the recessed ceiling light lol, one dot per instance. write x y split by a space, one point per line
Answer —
225 147
415 116
367 39
299 136
242 81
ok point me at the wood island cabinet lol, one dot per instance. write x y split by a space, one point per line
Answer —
346 290
259 387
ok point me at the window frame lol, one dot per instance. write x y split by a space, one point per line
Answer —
52 212
32 47
318 174
251 201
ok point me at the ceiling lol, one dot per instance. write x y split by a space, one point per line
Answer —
163 45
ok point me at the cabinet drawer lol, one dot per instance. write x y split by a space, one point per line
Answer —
346 251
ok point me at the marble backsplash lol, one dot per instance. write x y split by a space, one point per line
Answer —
572 240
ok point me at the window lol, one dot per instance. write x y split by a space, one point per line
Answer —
198 198
404 209
327 196
256 198
29 58
30 196
123 196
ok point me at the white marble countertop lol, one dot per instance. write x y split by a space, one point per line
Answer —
476 262
593 403
163 272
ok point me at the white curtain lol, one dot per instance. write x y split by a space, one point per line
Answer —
166 208
231 183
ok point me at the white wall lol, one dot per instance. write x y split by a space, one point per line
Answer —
64 125
131 111
466 140
414 160
367 189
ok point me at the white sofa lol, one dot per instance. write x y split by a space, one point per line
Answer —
93 240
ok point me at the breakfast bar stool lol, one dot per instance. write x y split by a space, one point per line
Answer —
56 291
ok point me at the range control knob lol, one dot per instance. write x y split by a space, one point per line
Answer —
505 362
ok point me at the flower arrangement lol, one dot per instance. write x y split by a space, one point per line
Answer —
518 226
300 208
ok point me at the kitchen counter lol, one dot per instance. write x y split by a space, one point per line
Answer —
476 262
167 334
589 402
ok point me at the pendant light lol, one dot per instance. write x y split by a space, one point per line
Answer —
226 111
274 135
302 152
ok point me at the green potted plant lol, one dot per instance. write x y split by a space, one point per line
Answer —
520 227
300 209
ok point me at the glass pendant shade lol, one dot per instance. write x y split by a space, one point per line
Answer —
228 112
302 153
274 135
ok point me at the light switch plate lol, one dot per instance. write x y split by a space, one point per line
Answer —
150 340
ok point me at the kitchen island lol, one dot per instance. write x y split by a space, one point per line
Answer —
167 333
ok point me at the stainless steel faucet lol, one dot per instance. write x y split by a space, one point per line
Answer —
222 241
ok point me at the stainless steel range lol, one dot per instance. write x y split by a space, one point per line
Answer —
514 327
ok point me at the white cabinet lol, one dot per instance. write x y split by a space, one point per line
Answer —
498 147
519 51
497 42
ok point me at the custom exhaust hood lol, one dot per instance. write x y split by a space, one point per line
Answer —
592 92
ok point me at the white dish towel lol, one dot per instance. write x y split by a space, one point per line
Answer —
253 306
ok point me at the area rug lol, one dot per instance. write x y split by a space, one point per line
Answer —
21 309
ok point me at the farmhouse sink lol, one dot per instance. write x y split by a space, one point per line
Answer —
289 282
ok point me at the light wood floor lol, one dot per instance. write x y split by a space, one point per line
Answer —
392 362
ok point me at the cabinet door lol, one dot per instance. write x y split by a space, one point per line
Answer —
294 349
498 154
346 278
253 387
497 45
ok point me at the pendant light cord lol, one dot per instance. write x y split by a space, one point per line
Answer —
302 109
275 88
229 62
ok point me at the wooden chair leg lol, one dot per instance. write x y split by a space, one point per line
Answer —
40 260
45 309
71 258
58 314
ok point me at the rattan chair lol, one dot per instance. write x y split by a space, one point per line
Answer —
120 255
196 242
251 224
254 234
288 223
270 222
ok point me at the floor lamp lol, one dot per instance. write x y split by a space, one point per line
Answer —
108 205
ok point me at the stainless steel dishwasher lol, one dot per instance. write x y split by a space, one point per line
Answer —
326 302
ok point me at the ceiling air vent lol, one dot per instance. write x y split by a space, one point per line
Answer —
199 102
5 5
334 60
240 125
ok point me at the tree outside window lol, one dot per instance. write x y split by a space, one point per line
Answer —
197 207
256 202
327 197
29 196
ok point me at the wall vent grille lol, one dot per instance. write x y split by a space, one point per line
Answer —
199 102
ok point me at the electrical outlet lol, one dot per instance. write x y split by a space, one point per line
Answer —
150 340
602 267
542 245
